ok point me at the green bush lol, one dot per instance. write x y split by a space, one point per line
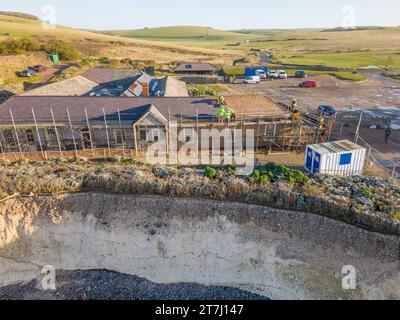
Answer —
12 47
211 173
230 170
396 215
380 206
275 172
366 193
64 50
262 177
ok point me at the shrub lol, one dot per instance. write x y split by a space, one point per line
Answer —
12 47
64 50
230 170
275 172
366 193
211 173
396 215
380 206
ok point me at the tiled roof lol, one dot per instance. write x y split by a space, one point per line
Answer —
130 108
104 75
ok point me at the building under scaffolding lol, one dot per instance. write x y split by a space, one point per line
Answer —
39 124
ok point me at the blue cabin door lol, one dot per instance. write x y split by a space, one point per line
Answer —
309 159
317 163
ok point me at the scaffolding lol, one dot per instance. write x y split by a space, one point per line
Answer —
273 131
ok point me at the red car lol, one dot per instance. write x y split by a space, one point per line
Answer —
308 84
39 68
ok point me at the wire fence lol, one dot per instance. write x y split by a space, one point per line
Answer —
378 164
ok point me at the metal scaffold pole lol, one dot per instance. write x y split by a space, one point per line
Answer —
38 134
56 131
107 135
16 134
122 132
72 132
90 132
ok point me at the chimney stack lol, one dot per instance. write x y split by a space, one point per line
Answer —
146 89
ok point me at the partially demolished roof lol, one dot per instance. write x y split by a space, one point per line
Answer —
77 86
254 105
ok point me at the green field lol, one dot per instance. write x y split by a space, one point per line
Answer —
369 46
183 33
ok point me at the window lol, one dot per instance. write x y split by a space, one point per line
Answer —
345 159
154 135
270 130
189 66
119 136
52 136
8 136
142 135
29 136
188 134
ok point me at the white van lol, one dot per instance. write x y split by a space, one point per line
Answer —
282 74
252 80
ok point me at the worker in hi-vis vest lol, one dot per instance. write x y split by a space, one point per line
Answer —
294 105
296 117
233 114
221 113
321 122
221 100
228 114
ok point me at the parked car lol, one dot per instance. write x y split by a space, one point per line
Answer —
308 84
27 73
282 74
327 110
39 68
300 74
273 74
252 80
262 74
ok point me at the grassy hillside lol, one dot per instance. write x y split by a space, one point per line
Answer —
273 32
362 47
193 36
178 32
98 45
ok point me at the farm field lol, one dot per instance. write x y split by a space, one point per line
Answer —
344 49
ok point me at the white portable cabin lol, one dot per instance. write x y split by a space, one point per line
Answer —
342 158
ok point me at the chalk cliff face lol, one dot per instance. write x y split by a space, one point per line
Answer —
274 253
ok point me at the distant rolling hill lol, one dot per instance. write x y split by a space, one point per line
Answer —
273 32
19 15
179 33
